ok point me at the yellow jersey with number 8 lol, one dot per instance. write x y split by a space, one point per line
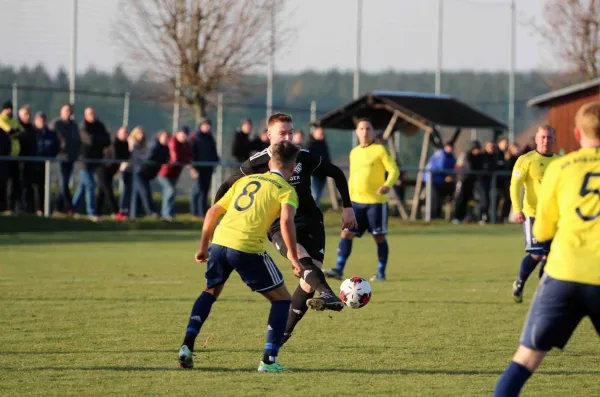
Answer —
568 212
253 203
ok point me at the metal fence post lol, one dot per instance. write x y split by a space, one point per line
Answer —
126 109
313 114
15 95
220 137
428 188
47 174
494 198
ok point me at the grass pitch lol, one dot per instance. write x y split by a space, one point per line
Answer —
104 312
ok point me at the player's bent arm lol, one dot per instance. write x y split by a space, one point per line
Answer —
547 214
516 185
288 232
392 169
338 176
210 224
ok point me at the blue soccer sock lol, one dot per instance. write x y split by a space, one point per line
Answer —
200 312
344 250
528 265
382 257
512 381
542 266
277 320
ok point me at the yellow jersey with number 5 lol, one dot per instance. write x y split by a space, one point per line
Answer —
528 171
253 203
568 212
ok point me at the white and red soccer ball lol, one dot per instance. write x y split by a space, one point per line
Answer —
355 292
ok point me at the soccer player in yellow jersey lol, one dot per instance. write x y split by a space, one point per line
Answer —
528 172
250 207
368 191
568 213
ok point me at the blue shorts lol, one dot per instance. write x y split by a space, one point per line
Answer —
531 244
371 217
258 271
557 308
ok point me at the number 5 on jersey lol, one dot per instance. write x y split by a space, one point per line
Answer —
246 198
585 190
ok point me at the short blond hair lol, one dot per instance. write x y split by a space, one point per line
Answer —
587 120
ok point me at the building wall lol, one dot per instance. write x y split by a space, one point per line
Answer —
561 116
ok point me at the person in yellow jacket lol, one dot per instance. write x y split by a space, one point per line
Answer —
10 132
369 162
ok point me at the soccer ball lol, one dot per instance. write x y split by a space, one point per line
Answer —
355 292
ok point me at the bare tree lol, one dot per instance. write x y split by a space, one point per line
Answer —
208 44
572 29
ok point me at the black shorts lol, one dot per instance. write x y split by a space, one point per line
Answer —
309 233
557 308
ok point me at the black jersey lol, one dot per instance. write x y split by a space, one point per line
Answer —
306 164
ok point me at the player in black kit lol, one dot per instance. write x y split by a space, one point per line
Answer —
309 220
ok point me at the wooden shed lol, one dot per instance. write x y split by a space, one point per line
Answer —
562 106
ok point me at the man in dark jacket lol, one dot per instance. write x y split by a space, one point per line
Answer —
490 165
29 148
241 142
68 135
318 145
118 150
94 138
204 148
144 171
260 143
12 129
467 182
48 146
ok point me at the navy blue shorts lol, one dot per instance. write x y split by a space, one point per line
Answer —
557 308
371 217
531 244
258 271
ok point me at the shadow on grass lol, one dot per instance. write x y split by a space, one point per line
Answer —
406 371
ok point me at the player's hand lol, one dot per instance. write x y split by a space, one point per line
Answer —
201 256
193 173
383 190
297 268
348 218
520 217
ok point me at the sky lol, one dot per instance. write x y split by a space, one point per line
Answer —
396 35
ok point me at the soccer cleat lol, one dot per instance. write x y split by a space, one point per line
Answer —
275 367
518 291
377 277
325 302
333 273
186 357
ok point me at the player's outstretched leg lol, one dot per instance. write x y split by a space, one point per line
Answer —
344 251
313 276
280 306
198 317
382 258
528 265
298 309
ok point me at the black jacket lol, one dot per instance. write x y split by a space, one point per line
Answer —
28 140
94 138
118 150
319 148
68 136
156 157
204 148
241 146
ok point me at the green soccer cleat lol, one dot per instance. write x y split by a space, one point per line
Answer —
186 358
275 367
517 291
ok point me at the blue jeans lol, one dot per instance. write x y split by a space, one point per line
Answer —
317 186
87 186
141 189
63 198
125 199
168 201
200 191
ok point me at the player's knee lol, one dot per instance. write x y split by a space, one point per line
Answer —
278 294
302 253
379 238
536 256
529 358
347 235
215 291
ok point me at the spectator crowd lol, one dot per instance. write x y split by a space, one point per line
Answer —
135 160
